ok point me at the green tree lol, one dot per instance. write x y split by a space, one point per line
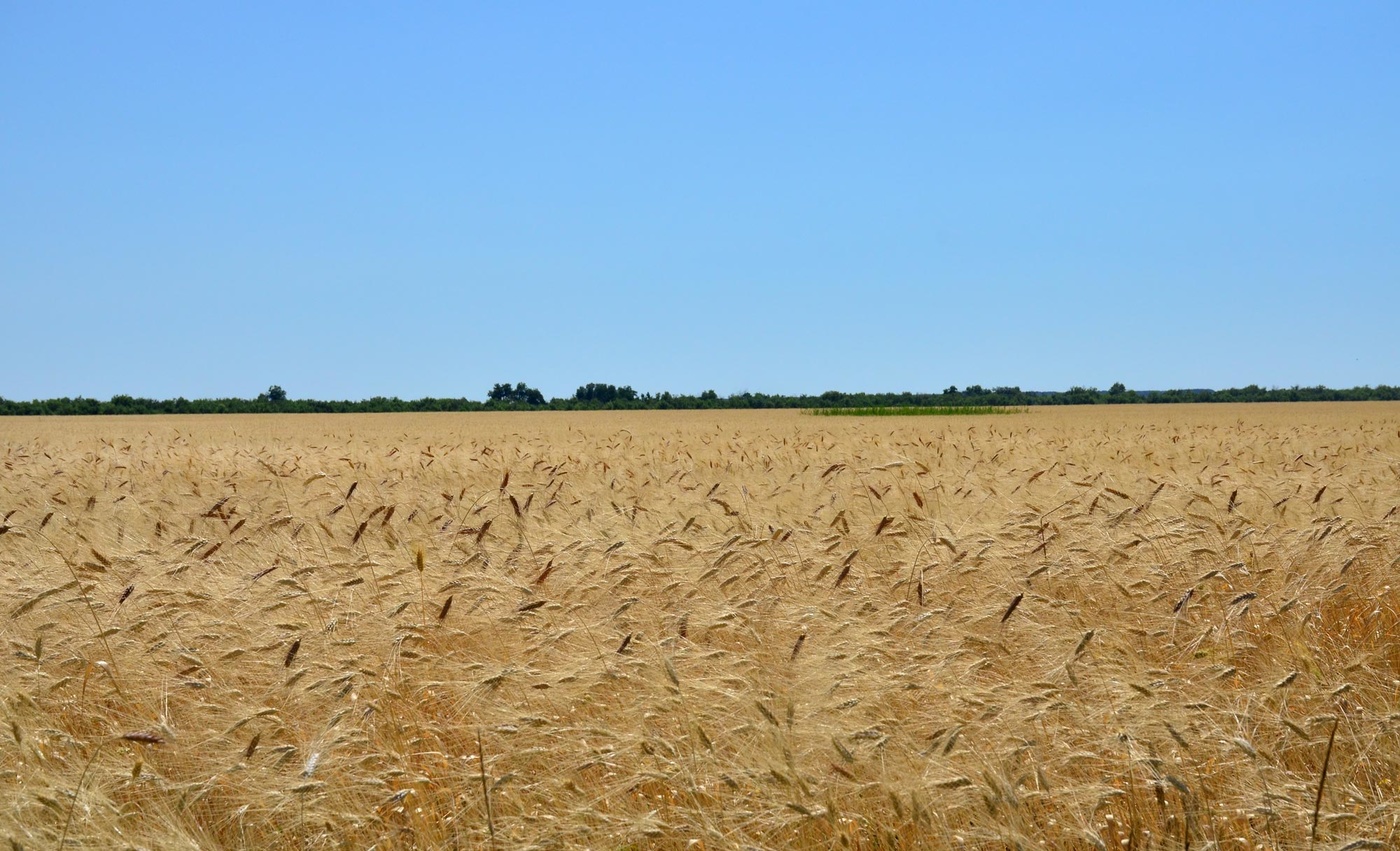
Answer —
605 394
520 394
1119 394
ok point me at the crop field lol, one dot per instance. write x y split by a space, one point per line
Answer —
1135 627
920 411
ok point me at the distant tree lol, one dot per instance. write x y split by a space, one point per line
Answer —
1077 395
1119 394
595 393
520 394
951 391
604 394
709 396
275 393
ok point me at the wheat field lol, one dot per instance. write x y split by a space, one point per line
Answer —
1142 627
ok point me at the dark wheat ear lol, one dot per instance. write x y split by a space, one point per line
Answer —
1015 601
1322 778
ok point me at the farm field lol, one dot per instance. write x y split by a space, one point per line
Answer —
1143 627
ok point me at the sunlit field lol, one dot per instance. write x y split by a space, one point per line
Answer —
1133 627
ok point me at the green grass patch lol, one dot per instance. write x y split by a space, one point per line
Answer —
918 411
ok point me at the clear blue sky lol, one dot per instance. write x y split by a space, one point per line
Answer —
355 199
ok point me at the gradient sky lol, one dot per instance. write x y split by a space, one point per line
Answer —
415 199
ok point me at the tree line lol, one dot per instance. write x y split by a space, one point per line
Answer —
519 396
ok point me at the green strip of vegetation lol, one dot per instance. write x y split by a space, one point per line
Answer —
974 399
917 411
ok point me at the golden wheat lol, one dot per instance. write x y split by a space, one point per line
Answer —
1143 627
